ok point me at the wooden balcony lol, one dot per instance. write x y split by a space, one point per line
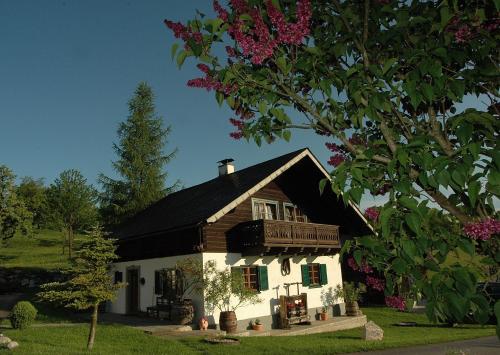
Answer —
267 237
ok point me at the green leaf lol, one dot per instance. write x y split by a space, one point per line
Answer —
287 135
399 266
458 176
358 256
413 221
458 88
322 184
466 245
385 217
175 46
409 248
281 63
408 202
388 64
464 133
181 58
473 191
262 108
428 92
356 194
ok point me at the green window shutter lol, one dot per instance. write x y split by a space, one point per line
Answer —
236 277
323 277
262 277
305 275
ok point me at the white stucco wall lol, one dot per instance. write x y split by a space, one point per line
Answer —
147 270
270 298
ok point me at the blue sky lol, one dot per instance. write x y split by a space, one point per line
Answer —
67 70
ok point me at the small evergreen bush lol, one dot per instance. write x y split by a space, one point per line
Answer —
22 315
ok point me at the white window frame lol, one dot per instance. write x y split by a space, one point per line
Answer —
289 204
254 211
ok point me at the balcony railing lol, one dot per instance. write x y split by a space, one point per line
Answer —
276 233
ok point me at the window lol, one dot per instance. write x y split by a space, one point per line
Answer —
264 209
293 213
254 277
314 274
250 277
168 283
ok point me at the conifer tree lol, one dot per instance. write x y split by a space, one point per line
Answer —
90 282
141 161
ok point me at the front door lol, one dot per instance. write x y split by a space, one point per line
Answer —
132 291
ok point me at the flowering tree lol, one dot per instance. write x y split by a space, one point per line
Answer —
383 82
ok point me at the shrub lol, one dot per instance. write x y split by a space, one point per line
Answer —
22 315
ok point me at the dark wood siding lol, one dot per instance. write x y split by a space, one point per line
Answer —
180 242
216 235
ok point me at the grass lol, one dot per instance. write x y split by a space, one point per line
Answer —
42 250
118 339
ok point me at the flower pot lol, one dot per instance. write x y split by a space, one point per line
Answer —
203 323
258 327
182 312
323 316
352 309
228 321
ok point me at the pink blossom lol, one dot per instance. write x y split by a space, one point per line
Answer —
223 14
291 33
203 67
333 147
372 214
336 160
367 269
356 139
395 302
230 51
181 31
375 283
482 230
463 34
239 6
236 135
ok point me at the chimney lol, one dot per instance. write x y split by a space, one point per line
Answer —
226 166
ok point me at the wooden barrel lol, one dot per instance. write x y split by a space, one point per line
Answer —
352 309
228 322
182 312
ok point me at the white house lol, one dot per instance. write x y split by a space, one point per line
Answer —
269 220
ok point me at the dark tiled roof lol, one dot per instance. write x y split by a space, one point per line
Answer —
197 203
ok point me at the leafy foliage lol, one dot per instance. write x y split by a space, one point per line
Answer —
225 290
385 82
90 281
34 195
22 315
14 216
142 138
73 204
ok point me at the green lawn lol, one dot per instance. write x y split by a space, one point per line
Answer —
117 339
42 250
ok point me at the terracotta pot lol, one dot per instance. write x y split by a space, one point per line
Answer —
258 327
228 321
203 323
323 316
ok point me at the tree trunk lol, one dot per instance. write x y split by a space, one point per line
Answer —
70 242
93 325
65 236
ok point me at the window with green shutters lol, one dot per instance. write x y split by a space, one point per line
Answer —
314 274
254 277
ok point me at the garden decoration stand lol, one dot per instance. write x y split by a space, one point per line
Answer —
293 309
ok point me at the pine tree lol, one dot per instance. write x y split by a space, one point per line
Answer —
90 283
141 162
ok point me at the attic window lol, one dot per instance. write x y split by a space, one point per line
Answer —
293 213
264 209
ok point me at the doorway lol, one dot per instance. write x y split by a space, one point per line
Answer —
133 290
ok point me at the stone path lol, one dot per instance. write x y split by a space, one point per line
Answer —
478 346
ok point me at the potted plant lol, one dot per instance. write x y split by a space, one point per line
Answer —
257 325
189 271
351 295
328 298
324 313
224 290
